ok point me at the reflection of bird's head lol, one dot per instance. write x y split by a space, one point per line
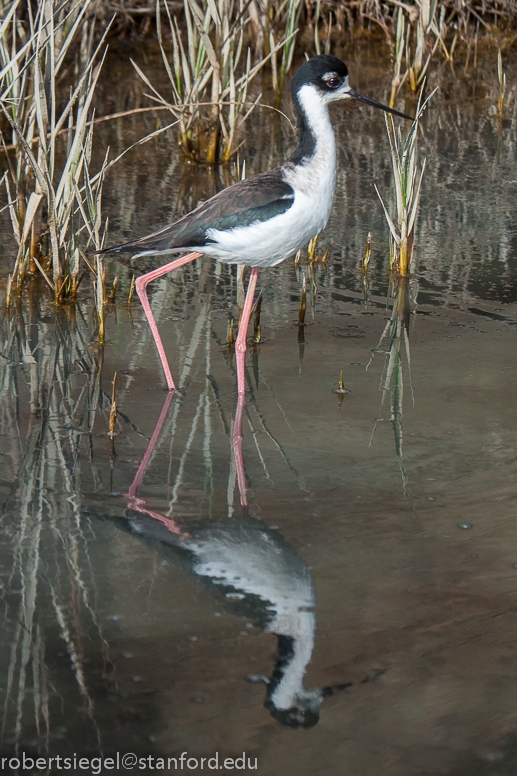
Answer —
305 714
302 709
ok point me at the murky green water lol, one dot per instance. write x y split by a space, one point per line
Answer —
145 627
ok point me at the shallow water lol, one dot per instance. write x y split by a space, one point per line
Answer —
396 501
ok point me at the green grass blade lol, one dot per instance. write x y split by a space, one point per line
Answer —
391 225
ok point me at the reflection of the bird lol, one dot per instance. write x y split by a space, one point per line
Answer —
396 332
253 571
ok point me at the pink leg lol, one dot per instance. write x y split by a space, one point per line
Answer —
141 285
240 343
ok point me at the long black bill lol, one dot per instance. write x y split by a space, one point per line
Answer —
368 101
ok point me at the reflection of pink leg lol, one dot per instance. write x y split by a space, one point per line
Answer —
139 504
237 449
240 344
139 476
140 286
171 525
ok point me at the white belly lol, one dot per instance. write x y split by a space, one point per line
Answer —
267 243
270 242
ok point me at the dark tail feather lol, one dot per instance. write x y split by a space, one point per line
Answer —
164 240
128 247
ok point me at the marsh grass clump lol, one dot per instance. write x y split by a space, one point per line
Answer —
53 198
41 186
416 39
418 35
320 22
210 74
408 182
211 52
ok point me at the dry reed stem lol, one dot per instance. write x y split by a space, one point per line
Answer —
113 410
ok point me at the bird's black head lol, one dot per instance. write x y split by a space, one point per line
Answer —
325 72
326 79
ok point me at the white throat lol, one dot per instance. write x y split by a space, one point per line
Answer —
314 106
314 178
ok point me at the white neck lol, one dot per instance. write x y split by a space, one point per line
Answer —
313 176
316 114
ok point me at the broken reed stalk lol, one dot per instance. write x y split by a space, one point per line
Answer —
113 410
100 296
367 253
256 319
9 289
113 289
131 291
311 250
341 391
303 303
501 75
231 335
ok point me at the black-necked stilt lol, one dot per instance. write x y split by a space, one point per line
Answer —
264 219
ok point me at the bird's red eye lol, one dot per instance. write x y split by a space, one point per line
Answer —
334 83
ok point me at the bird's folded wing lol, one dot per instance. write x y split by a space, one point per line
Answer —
255 199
